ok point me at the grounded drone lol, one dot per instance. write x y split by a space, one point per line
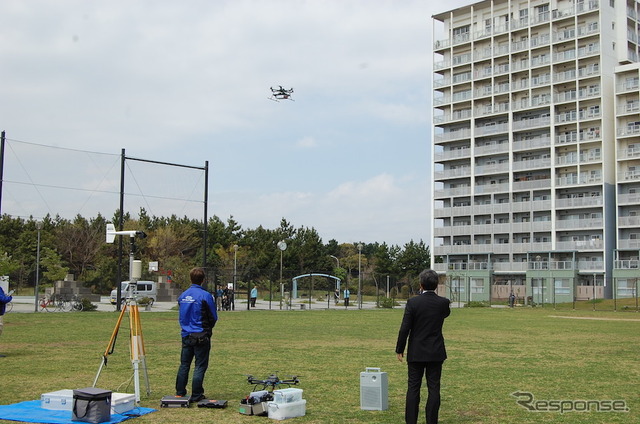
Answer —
281 93
272 382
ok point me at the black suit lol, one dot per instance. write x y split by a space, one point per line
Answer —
422 325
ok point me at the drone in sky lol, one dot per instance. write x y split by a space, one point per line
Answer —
281 93
272 382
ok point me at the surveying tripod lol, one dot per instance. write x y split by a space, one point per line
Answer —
136 344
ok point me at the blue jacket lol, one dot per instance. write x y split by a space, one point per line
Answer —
4 299
197 311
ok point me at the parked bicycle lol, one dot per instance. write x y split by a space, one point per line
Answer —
58 303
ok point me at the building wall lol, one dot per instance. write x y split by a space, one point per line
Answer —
524 141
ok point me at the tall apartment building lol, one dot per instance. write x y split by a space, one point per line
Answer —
536 149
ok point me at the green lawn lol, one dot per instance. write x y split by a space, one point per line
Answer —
492 354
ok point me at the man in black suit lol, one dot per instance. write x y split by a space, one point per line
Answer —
422 324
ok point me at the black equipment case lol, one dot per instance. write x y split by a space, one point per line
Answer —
174 402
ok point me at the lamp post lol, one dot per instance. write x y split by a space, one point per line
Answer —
337 266
282 246
359 276
39 225
235 267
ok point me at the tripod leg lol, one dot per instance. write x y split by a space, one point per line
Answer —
112 343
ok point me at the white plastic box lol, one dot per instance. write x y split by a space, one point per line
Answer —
61 400
287 395
282 411
122 402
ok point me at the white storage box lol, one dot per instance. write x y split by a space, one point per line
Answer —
122 402
287 395
61 400
282 411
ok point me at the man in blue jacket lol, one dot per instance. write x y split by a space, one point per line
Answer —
4 299
197 318
422 323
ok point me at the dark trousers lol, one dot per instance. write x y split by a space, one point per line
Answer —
198 349
346 301
432 371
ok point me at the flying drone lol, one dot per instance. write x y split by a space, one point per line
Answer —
272 382
281 93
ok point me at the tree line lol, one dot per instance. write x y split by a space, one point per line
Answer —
77 246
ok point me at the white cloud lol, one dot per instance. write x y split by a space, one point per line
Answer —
306 143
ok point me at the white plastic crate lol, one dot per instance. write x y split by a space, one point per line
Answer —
122 402
287 395
282 411
61 400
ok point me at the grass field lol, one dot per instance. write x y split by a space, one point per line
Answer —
492 354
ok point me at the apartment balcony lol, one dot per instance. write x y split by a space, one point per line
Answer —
509 266
628 199
567 138
491 208
533 143
628 243
564 56
587 6
450 212
632 107
586 93
628 153
626 264
595 244
542 183
452 154
531 206
452 117
492 129
629 221
452 192
491 188
629 175
455 230
566 96
491 149
589 71
629 130
569 75
532 123
453 135
462 172
521 227
568 159
578 202
578 224
589 50
498 168
531 164
628 85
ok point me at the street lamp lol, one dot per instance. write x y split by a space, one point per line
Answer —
282 245
39 225
235 267
359 276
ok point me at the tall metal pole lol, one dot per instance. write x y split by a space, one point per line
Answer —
359 276
206 201
120 228
2 139
39 227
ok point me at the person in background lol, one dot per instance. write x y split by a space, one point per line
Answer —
4 299
254 296
197 317
422 323
347 294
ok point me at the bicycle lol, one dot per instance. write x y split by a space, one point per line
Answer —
52 303
76 304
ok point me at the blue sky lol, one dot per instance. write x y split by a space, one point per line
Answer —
189 81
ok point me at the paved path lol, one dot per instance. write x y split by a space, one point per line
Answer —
25 304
